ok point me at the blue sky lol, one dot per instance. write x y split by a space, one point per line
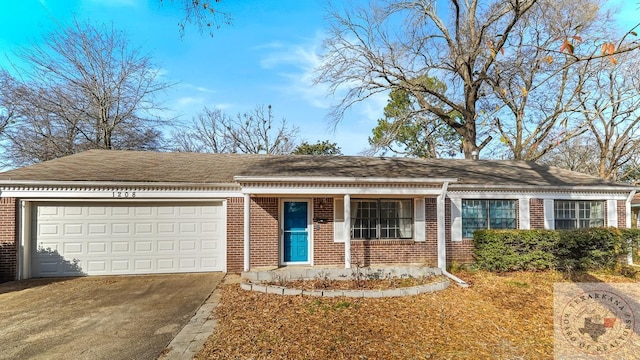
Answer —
266 57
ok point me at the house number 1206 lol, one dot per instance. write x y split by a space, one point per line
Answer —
124 194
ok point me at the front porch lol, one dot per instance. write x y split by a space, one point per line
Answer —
328 238
286 281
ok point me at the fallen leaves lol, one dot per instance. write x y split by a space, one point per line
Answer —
499 316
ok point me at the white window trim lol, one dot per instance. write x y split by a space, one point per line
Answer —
612 213
419 220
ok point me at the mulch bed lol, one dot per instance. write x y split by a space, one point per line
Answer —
506 316
352 284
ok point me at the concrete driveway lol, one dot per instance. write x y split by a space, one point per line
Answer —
115 317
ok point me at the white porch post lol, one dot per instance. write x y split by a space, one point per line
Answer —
247 231
347 231
441 223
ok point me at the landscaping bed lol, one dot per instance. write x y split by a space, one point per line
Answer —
508 316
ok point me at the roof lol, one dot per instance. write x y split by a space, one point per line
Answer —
165 167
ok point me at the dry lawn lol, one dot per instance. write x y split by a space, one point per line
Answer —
501 316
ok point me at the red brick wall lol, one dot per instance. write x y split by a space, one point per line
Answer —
536 213
235 234
8 235
328 252
265 232
325 251
622 214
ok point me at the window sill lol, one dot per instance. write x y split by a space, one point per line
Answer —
375 242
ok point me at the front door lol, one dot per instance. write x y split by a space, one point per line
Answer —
296 232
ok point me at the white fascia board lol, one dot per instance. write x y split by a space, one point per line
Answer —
111 184
117 194
339 191
581 194
540 188
342 180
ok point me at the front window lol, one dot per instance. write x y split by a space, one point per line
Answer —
487 214
572 214
381 219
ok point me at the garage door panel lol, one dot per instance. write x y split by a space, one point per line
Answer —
120 229
48 229
97 247
166 245
70 248
120 247
102 239
97 266
96 229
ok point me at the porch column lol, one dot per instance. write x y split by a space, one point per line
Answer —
247 231
441 224
347 231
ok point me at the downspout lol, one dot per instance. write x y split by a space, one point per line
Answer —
629 217
441 237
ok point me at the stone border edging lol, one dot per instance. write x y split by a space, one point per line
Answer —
256 280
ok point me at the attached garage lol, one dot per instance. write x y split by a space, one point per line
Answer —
107 238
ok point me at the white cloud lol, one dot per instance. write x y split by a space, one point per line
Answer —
190 100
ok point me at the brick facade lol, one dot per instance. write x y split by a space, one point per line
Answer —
235 234
265 236
8 236
265 241
536 214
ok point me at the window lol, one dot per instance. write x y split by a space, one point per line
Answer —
381 219
572 214
487 214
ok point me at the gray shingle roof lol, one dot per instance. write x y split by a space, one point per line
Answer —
141 166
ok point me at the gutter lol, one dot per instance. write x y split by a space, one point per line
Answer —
441 241
629 217
606 188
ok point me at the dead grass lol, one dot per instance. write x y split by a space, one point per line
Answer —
501 316
376 284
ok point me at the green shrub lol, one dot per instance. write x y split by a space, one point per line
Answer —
581 249
590 249
511 250
631 237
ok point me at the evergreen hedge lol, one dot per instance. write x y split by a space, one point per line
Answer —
581 249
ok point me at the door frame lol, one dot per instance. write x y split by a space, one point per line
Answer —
309 231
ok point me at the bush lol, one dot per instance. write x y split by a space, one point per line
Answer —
631 237
510 250
590 249
581 249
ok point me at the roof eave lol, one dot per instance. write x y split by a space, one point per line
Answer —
87 183
546 188
341 180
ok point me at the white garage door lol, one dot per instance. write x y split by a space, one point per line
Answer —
72 239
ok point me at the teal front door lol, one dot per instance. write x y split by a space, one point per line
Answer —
296 231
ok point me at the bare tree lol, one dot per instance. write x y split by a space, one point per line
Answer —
254 132
611 109
369 54
535 86
204 14
575 154
396 44
83 87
